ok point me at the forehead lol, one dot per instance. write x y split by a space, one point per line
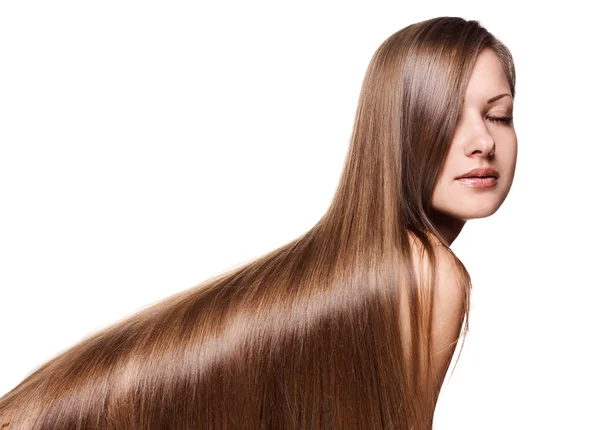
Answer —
487 79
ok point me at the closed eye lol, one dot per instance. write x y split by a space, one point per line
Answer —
501 119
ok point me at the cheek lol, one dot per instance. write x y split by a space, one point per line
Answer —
448 173
507 157
506 146
441 190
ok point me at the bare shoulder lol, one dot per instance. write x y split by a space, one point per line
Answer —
449 294
449 274
449 302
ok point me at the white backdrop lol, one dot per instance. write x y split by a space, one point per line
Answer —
146 146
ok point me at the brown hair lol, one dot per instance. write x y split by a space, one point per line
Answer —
310 335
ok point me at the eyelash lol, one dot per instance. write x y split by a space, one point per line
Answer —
503 119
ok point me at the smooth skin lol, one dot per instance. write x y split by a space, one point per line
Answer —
478 141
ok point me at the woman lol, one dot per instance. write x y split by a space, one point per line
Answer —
353 324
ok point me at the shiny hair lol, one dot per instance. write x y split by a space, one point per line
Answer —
330 330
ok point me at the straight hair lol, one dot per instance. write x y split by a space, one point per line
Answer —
306 336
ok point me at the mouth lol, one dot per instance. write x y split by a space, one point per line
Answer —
480 172
479 181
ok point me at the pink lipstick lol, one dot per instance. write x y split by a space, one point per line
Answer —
479 182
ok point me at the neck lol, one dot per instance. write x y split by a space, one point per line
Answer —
448 225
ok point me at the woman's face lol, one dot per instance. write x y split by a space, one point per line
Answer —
480 141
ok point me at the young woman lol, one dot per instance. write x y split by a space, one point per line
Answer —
353 324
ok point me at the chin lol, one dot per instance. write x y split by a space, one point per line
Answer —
469 210
477 213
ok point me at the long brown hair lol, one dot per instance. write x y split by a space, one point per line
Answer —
307 335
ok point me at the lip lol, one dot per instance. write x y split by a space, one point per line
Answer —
480 172
487 182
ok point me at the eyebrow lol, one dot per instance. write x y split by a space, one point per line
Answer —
493 99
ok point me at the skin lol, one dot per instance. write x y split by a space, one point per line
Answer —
478 141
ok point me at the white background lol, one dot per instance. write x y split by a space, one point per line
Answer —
146 146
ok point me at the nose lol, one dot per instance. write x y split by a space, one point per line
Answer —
481 143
